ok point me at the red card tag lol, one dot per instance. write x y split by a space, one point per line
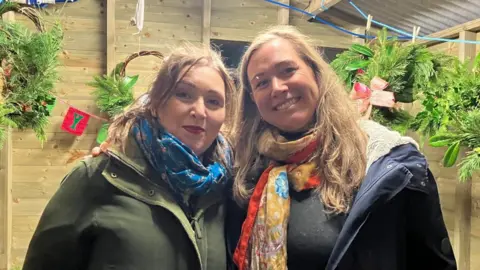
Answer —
75 121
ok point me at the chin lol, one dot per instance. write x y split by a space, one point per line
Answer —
299 123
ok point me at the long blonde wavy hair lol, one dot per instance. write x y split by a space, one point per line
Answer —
174 67
341 156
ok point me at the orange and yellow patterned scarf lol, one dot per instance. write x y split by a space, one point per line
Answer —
263 241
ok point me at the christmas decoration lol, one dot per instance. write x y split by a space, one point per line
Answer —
114 92
75 121
407 68
28 71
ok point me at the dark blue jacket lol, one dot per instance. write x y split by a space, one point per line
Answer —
395 222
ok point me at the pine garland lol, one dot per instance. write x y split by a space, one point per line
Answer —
29 71
406 68
113 92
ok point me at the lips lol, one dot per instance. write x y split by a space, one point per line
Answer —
194 129
286 104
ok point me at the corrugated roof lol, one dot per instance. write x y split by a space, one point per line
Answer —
430 15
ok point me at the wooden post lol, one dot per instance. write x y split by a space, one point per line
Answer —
463 191
6 191
283 16
206 21
110 4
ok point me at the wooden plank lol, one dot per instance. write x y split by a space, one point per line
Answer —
6 179
254 19
319 6
283 13
43 157
128 4
453 32
236 5
206 22
28 140
157 32
110 35
41 174
175 15
463 190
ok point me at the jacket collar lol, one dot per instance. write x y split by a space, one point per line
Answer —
147 186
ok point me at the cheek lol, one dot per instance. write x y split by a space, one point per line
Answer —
216 120
171 114
262 101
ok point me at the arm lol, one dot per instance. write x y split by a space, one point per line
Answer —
61 239
428 244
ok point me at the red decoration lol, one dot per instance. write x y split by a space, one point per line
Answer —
75 121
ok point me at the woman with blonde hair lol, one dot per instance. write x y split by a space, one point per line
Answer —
316 187
156 199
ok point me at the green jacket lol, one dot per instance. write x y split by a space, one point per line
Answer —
111 212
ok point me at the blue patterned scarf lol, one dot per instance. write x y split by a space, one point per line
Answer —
185 173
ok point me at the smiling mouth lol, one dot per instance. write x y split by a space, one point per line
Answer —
194 129
287 104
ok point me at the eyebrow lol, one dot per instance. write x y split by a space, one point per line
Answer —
276 66
194 86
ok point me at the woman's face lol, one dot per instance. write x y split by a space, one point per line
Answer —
284 87
196 111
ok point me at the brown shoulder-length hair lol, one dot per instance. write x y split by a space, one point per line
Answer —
174 67
341 156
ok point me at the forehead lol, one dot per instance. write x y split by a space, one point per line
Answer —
204 78
269 54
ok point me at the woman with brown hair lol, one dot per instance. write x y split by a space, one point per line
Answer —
316 187
156 199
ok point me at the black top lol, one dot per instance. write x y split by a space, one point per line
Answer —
312 232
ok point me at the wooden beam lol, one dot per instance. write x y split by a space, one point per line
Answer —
111 63
6 179
453 32
6 202
283 13
317 7
206 22
463 190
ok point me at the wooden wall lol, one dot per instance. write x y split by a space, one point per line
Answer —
37 171
242 20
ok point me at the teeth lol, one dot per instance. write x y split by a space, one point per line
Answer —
287 104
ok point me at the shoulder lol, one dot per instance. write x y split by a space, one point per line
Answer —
86 176
412 162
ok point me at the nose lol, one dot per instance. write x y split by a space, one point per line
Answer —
199 109
278 86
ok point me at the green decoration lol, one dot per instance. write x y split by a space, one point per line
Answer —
448 90
29 62
406 68
51 105
102 133
114 92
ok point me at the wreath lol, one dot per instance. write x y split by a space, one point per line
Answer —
114 92
28 72
404 69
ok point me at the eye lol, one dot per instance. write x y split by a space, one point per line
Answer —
261 84
290 70
214 102
182 95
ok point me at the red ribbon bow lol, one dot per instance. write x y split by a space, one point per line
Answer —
374 95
